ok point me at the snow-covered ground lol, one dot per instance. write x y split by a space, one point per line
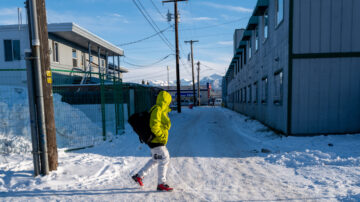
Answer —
217 155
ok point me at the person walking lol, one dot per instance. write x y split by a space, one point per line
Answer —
160 125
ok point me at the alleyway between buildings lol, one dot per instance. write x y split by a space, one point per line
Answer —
216 155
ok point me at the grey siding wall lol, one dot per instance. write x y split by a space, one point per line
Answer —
13 77
271 57
326 96
322 26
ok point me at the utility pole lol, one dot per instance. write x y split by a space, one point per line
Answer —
168 78
192 65
43 85
177 52
198 80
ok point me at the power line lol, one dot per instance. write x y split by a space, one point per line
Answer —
157 9
146 38
151 24
216 25
154 23
148 65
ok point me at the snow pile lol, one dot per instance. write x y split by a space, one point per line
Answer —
15 136
312 158
14 120
76 130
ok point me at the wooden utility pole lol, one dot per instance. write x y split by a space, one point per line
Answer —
46 77
177 52
192 65
198 80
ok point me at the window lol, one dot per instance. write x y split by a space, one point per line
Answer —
245 95
241 95
12 50
256 38
103 63
55 52
266 24
244 56
241 61
250 51
264 90
255 92
74 58
250 96
279 11
278 84
83 61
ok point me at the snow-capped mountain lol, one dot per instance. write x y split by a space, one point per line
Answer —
215 81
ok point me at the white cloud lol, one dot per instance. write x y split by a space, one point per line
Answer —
226 43
9 16
230 8
120 17
8 11
203 19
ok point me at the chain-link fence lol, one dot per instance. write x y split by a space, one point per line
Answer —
139 98
88 108
14 112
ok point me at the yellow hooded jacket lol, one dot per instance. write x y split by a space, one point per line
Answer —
159 120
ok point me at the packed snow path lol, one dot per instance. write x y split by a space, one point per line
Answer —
216 156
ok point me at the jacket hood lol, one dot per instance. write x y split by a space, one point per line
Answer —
163 99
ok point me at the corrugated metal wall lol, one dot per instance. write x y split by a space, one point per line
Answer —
326 96
322 26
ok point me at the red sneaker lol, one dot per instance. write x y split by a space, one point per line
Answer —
137 179
164 187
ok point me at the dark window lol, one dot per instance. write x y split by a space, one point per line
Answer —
250 48
8 50
74 58
241 95
244 56
256 38
250 96
278 84
16 49
245 95
264 90
266 24
12 50
55 52
255 92
241 62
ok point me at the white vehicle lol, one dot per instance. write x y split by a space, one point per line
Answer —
218 102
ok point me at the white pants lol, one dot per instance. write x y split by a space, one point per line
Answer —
160 155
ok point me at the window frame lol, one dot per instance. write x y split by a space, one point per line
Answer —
12 53
74 58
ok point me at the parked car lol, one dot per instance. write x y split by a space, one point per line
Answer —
218 102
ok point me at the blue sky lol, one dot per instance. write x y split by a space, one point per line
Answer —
212 22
